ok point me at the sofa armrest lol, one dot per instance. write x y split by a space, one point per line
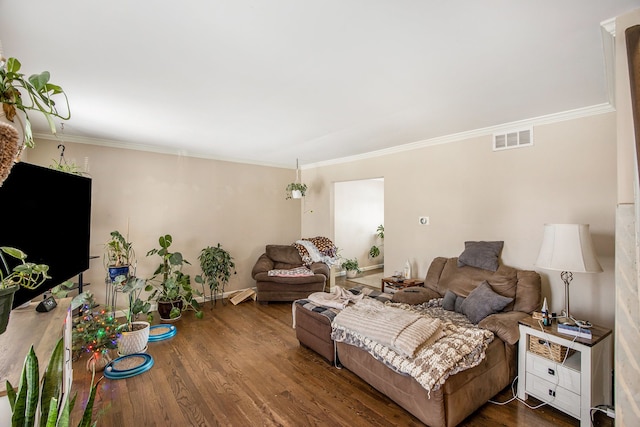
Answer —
504 325
263 265
320 268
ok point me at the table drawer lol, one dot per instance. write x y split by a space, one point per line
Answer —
553 372
557 396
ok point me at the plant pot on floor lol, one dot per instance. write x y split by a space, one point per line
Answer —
165 307
6 301
352 273
98 361
131 342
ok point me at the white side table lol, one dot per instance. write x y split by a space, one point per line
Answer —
575 386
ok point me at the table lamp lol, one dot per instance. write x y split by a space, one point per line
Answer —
567 248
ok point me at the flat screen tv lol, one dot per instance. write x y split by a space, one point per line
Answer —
47 214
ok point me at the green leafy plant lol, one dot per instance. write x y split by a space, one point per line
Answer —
96 330
55 409
169 283
296 186
351 264
119 252
26 274
375 250
35 93
132 287
66 167
217 265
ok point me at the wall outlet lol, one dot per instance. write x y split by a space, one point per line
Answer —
423 220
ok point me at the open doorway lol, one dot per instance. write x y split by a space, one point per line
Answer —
358 213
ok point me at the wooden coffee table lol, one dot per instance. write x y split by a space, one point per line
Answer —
393 285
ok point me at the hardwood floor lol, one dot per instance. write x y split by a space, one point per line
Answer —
242 365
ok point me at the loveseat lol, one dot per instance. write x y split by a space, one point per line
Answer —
283 287
463 392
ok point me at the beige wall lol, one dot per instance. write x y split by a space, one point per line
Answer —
199 202
359 210
472 193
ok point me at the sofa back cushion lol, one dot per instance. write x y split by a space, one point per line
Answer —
521 285
283 256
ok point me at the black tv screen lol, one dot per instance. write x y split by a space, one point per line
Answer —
47 214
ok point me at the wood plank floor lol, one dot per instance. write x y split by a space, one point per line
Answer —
242 365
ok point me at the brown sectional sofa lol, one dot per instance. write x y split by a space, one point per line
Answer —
465 391
275 288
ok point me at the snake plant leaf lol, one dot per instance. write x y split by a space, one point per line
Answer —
88 409
52 381
26 401
51 420
11 395
64 419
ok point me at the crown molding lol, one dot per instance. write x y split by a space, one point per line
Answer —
537 121
61 139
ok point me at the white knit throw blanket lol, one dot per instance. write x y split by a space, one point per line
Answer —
393 327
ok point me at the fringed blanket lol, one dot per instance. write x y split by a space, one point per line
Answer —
331 312
461 347
398 329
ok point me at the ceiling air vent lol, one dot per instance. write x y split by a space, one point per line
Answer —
513 139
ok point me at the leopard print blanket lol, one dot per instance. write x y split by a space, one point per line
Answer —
461 347
324 246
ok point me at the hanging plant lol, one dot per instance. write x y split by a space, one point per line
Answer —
35 93
296 190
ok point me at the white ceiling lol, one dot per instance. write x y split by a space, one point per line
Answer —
271 81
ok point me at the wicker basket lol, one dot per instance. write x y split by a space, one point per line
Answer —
549 350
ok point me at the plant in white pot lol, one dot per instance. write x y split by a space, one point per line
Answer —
351 266
134 334
296 190
23 274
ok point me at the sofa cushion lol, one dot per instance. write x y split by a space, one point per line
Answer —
414 295
522 285
452 302
504 325
483 301
284 254
449 301
481 255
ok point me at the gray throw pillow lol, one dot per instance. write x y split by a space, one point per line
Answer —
449 301
458 306
483 301
481 255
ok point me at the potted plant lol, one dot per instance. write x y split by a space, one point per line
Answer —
169 286
35 93
26 274
55 408
216 264
119 255
134 334
94 332
296 190
351 266
375 249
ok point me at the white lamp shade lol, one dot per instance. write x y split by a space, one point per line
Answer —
568 247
